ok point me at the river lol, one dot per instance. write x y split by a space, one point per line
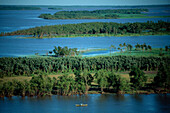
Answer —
97 103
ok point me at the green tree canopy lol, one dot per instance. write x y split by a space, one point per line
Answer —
162 78
137 78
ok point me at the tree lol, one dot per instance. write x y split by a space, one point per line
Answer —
166 48
84 78
149 47
65 85
142 47
137 78
118 82
112 47
124 45
162 79
41 85
50 52
120 47
137 46
129 47
65 51
101 77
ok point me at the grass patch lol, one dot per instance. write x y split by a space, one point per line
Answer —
153 52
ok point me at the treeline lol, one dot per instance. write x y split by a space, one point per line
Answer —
54 8
28 66
43 85
17 7
96 14
94 28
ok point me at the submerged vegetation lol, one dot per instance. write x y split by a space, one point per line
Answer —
96 14
97 28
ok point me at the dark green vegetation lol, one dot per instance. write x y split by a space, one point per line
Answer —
163 77
65 51
90 74
81 83
115 29
17 7
28 66
138 78
55 8
96 14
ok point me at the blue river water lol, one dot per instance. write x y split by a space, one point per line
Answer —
11 46
97 103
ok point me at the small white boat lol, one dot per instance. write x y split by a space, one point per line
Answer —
81 105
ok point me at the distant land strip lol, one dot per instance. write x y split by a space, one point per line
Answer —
96 29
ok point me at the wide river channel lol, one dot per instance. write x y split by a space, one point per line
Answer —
97 103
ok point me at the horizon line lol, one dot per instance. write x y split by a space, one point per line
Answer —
81 5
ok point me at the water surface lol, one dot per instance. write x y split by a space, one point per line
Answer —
10 46
97 103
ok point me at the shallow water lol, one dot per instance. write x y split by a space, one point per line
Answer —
97 103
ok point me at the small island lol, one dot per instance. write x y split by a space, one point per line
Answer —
96 29
96 14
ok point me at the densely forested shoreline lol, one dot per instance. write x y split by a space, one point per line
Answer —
104 76
84 82
96 14
97 28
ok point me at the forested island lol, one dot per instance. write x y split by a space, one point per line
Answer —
96 29
96 14
18 7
